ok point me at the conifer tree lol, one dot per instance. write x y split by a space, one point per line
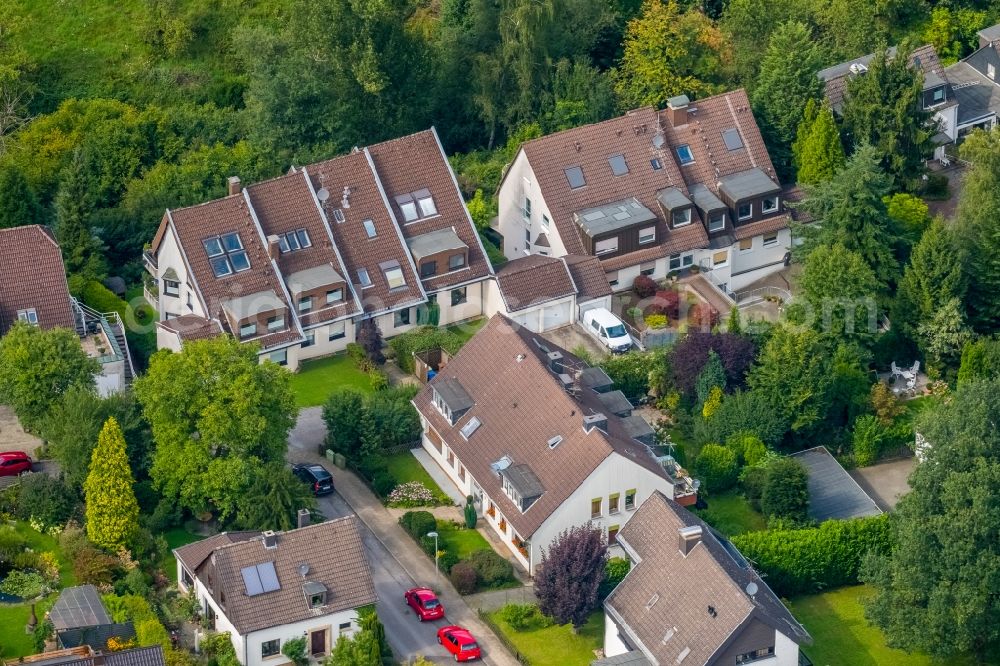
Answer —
74 205
932 278
112 510
818 152
978 218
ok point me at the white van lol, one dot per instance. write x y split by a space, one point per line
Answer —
608 329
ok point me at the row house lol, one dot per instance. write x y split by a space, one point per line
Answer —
652 192
294 264
541 441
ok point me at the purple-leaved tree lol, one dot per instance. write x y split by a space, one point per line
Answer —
571 573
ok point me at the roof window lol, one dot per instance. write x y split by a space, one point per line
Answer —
294 240
656 164
555 441
369 228
619 166
363 278
732 139
394 276
471 427
575 177
684 154
416 205
226 254
260 579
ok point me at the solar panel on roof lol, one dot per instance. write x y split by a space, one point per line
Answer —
268 577
251 581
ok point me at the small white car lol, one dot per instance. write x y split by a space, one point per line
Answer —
608 329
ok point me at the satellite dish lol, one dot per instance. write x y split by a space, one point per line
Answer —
304 569
752 588
658 141
323 194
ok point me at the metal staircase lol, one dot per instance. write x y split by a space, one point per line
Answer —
87 321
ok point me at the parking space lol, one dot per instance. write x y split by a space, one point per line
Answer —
886 482
572 336
833 493
12 435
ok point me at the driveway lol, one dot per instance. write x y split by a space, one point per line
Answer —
571 336
396 562
12 435
885 482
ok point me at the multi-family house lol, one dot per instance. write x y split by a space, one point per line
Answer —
541 441
691 598
266 588
652 192
33 290
295 263
975 84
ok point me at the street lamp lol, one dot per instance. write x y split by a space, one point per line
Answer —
436 569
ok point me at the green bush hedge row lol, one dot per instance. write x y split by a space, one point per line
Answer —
422 339
804 561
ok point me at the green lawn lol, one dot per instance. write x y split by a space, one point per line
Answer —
404 468
731 514
176 538
467 329
462 542
841 635
556 645
315 380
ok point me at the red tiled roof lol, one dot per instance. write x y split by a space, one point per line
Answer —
32 276
764 226
534 279
415 162
588 275
191 327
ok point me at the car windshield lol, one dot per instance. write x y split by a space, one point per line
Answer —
468 646
431 603
616 331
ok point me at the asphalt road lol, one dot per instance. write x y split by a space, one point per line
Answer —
407 636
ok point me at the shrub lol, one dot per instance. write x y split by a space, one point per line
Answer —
867 440
521 617
90 565
666 302
703 316
295 649
378 380
805 561
712 402
470 516
46 500
411 494
418 523
615 571
744 411
370 339
383 484
689 357
884 402
752 483
422 339
644 286
152 632
785 493
716 467
447 560
748 447
464 577
656 321
24 584
630 373
492 569
356 353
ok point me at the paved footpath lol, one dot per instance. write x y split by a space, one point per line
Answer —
303 442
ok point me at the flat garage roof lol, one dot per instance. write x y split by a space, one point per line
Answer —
833 493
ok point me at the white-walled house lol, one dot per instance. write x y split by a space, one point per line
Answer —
652 193
266 588
296 263
541 441
690 597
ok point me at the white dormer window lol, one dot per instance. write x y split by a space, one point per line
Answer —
681 217
647 235
409 210
716 221
29 316
745 211
769 204
394 276
427 207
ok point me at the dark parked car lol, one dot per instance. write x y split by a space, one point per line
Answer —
13 463
316 476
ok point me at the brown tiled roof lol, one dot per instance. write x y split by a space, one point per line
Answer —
588 275
534 279
335 557
286 204
521 405
358 250
415 162
193 554
765 226
215 218
191 327
32 276
836 77
667 593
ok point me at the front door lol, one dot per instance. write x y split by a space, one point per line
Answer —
318 642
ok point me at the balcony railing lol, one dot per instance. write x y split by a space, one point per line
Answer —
149 262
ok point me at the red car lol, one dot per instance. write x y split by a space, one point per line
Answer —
13 463
425 603
459 642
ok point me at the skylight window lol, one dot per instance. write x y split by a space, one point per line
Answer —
619 166
363 278
555 441
369 228
427 207
294 240
416 205
575 177
409 210
732 139
684 154
338 215
656 164
260 579
394 276
470 427
226 254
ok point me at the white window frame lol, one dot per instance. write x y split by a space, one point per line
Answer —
370 230
275 323
773 209
991 70
687 260
409 211
771 240
280 357
647 235
670 262
174 291
687 218
607 249
305 304
526 208
334 333
28 315
721 220
452 265
545 220
338 292
248 330
394 277
397 318
364 279
749 215
427 206
690 155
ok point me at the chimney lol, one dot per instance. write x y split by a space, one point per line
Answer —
270 540
599 421
97 660
273 246
688 538
303 518
677 110
555 362
234 185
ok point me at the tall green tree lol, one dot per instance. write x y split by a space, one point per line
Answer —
216 414
817 153
112 510
786 83
978 224
37 367
83 252
840 290
884 108
747 26
942 338
272 499
851 211
936 591
980 360
932 278
18 204
667 52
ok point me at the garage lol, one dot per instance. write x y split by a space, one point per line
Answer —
556 315
536 292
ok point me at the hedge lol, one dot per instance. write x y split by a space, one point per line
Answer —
805 561
422 339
